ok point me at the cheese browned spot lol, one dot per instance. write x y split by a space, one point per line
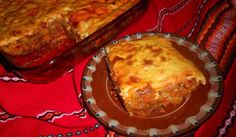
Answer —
151 74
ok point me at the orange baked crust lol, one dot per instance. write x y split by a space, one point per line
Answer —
151 74
27 25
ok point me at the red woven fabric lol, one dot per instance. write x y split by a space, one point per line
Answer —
56 109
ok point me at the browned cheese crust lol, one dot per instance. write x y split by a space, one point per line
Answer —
28 25
151 74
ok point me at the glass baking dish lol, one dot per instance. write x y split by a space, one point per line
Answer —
45 69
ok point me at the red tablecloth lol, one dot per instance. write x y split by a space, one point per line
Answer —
56 109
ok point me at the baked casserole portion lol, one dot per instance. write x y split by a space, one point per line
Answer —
149 74
41 29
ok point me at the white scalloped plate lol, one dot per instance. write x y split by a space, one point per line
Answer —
194 111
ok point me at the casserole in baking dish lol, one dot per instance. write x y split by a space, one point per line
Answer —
37 32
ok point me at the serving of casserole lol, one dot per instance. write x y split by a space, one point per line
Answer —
152 84
149 74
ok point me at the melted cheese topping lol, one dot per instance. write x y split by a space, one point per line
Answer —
20 18
153 70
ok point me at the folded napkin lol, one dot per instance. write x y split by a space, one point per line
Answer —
56 108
